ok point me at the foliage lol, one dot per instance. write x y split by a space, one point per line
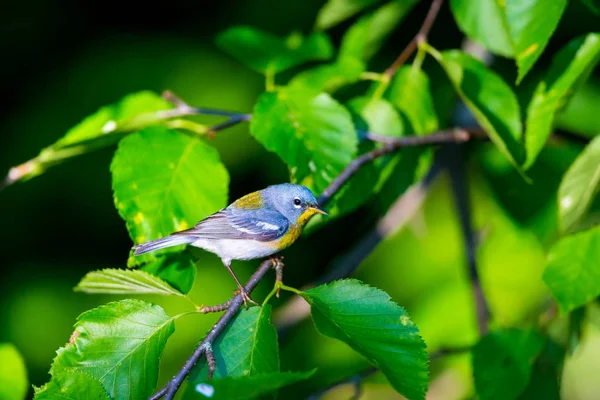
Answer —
320 118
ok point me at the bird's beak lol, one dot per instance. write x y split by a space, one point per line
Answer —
317 209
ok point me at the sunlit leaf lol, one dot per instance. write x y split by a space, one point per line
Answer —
530 25
484 21
502 362
335 11
572 63
72 385
122 281
329 77
248 346
265 52
579 186
489 98
13 374
244 387
165 181
573 270
311 132
105 127
177 269
410 93
368 321
120 345
367 35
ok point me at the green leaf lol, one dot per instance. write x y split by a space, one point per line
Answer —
105 127
366 36
573 269
329 77
122 281
530 24
244 387
484 21
489 98
593 5
579 186
178 270
248 346
410 93
165 181
335 11
502 362
13 375
72 385
311 132
368 321
571 64
267 53
120 345
378 116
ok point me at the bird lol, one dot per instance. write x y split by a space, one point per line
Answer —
256 225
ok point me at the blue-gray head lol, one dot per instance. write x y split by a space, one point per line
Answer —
295 202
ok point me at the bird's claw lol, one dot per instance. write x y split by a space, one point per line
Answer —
246 297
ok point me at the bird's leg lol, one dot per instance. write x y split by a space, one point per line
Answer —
278 267
243 292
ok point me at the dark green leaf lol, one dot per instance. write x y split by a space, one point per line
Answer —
248 346
71 385
244 387
13 375
329 77
484 21
336 11
572 63
367 35
177 269
502 362
106 126
267 53
165 181
489 98
311 132
593 5
530 24
573 269
579 186
366 319
122 281
410 93
120 345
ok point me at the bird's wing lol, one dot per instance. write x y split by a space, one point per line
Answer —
262 225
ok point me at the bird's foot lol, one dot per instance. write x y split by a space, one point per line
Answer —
246 297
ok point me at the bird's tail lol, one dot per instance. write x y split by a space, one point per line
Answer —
173 240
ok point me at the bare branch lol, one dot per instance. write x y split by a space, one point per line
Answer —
420 37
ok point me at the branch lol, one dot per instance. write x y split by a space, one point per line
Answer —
392 145
420 37
173 385
460 191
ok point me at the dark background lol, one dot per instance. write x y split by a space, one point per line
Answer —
62 60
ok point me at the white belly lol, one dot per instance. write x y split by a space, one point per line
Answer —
236 249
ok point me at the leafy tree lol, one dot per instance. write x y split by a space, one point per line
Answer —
376 146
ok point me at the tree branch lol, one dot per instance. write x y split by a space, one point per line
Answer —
420 37
173 385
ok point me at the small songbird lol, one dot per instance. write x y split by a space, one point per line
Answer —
257 225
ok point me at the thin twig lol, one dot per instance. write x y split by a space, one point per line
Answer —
460 192
392 145
182 109
420 37
173 385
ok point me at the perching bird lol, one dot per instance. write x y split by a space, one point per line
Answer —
257 225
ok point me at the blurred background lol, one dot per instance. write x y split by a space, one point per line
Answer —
62 60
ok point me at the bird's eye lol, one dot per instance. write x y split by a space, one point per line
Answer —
297 202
